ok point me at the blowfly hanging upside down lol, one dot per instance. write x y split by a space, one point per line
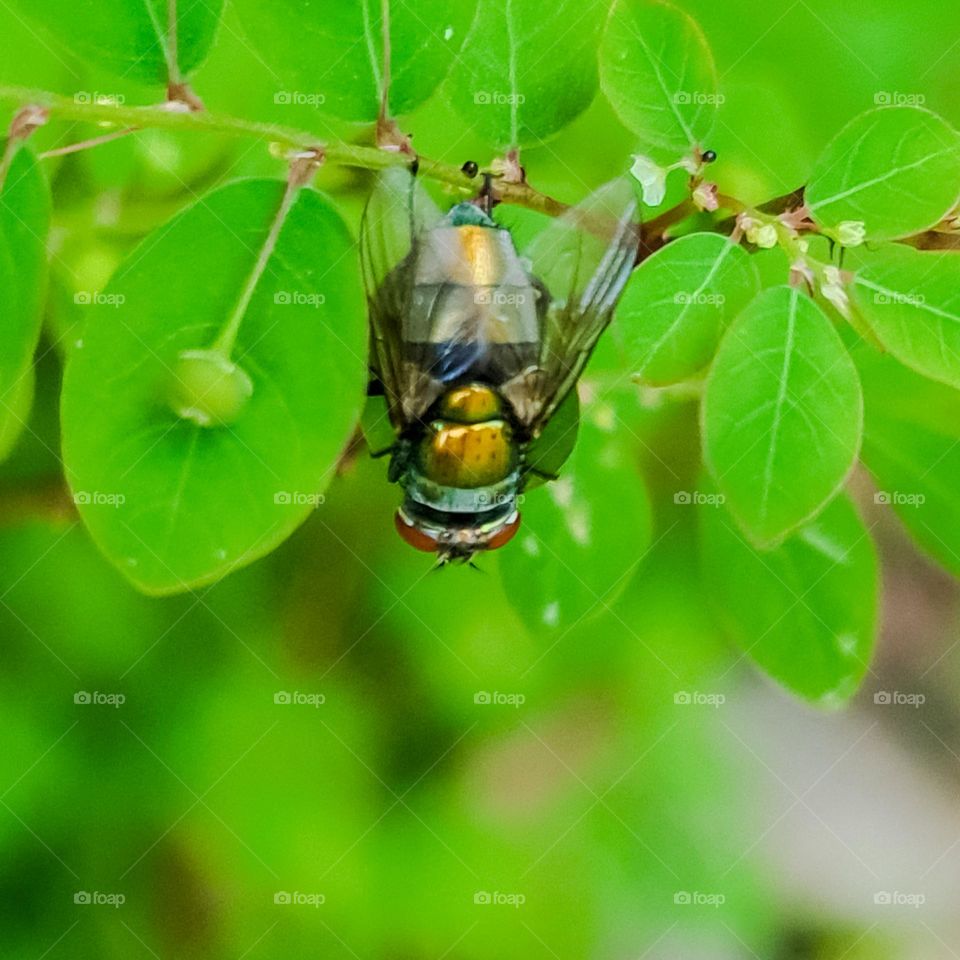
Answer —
477 347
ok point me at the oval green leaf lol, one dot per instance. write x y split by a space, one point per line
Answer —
679 301
24 222
657 71
911 445
173 504
583 536
131 38
911 302
330 55
526 73
804 613
896 169
782 414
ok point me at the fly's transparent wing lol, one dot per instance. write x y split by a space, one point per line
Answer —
397 214
583 259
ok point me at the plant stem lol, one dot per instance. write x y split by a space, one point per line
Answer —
170 117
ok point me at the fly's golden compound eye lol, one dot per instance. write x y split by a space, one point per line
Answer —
413 536
504 536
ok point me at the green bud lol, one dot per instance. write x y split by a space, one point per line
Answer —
208 388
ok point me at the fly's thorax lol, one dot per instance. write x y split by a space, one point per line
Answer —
469 444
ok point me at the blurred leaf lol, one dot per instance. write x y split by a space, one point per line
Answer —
805 613
131 38
782 414
330 55
678 303
657 70
897 169
911 301
911 445
24 222
525 73
174 504
551 450
582 536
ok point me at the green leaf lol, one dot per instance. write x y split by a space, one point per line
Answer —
174 504
911 445
678 303
657 71
896 169
782 414
526 73
330 55
551 450
582 536
911 302
24 221
131 38
806 612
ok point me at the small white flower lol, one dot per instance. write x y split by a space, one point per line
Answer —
833 290
851 233
652 178
764 235
705 197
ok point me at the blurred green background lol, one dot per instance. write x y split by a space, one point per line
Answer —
597 813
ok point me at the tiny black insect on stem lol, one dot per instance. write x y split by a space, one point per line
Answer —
708 156
471 168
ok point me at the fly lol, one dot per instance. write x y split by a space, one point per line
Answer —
477 347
